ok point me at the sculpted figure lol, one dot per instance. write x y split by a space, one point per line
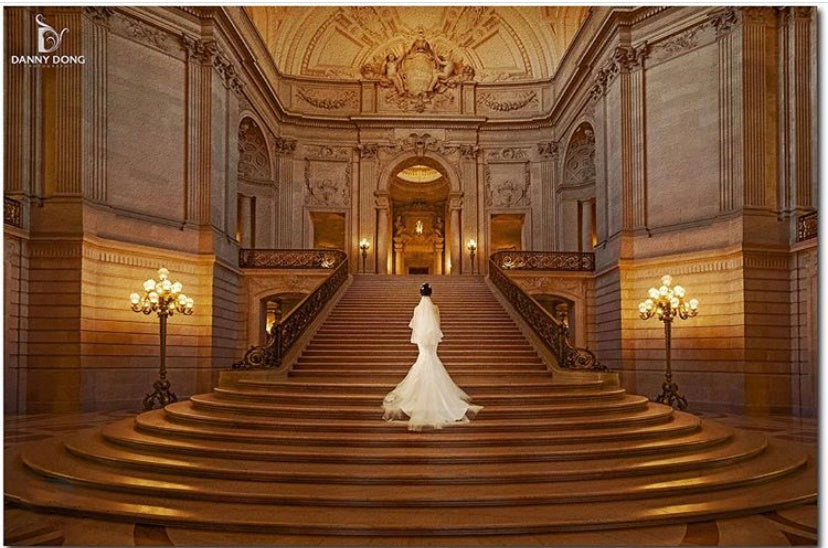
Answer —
392 73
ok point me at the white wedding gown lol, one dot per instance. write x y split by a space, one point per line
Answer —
427 395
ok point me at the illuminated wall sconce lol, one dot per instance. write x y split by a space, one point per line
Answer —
666 303
364 245
471 245
164 298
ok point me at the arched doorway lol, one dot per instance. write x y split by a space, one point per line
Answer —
418 196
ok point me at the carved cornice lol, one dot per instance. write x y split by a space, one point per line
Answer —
327 152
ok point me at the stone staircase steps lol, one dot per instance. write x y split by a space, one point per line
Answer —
306 452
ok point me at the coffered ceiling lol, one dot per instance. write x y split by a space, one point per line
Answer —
500 43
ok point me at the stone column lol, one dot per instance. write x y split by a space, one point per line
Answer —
399 260
368 168
586 226
454 232
548 155
471 224
384 238
438 255
283 149
633 136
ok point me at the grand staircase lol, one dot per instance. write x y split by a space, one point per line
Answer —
308 454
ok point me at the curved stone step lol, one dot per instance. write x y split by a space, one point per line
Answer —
518 389
93 446
38 493
123 433
299 409
163 424
289 397
184 411
53 462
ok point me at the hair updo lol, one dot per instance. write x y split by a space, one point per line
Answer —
425 290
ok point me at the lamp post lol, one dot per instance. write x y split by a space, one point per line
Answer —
165 298
364 244
666 303
471 245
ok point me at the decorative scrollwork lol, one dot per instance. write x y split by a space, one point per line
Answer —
291 258
544 260
806 226
12 212
284 333
553 332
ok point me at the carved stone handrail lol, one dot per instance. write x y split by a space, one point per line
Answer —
806 226
12 212
291 258
553 332
287 331
544 260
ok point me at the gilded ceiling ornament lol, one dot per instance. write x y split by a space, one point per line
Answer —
419 77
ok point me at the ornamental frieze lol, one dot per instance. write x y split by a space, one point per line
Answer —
509 101
327 101
508 154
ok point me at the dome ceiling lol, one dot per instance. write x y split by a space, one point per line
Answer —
498 43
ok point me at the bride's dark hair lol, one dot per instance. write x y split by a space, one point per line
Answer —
425 290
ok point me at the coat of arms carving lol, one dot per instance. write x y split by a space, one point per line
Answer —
420 76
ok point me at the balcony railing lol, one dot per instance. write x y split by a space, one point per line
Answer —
285 332
552 331
544 260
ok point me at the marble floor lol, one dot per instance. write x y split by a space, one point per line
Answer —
789 527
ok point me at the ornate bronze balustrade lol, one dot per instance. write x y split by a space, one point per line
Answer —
284 333
544 260
553 332
12 212
806 226
291 258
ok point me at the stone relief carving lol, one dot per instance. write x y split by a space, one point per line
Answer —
508 192
147 34
508 154
326 102
205 52
254 161
725 21
507 102
284 146
419 77
329 186
368 151
555 286
579 166
99 15
624 58
548 150
326 152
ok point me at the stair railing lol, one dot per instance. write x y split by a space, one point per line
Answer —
286 331
552 331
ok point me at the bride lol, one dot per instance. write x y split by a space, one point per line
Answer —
427 395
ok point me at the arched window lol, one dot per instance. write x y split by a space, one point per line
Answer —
577 192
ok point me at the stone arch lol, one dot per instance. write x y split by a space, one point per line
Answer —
577 208
255 191
394 164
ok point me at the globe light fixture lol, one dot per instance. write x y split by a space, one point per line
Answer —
364 245
471 245
666 302
164 298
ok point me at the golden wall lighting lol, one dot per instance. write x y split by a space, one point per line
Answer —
364 245
471 245
667 302
164 298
